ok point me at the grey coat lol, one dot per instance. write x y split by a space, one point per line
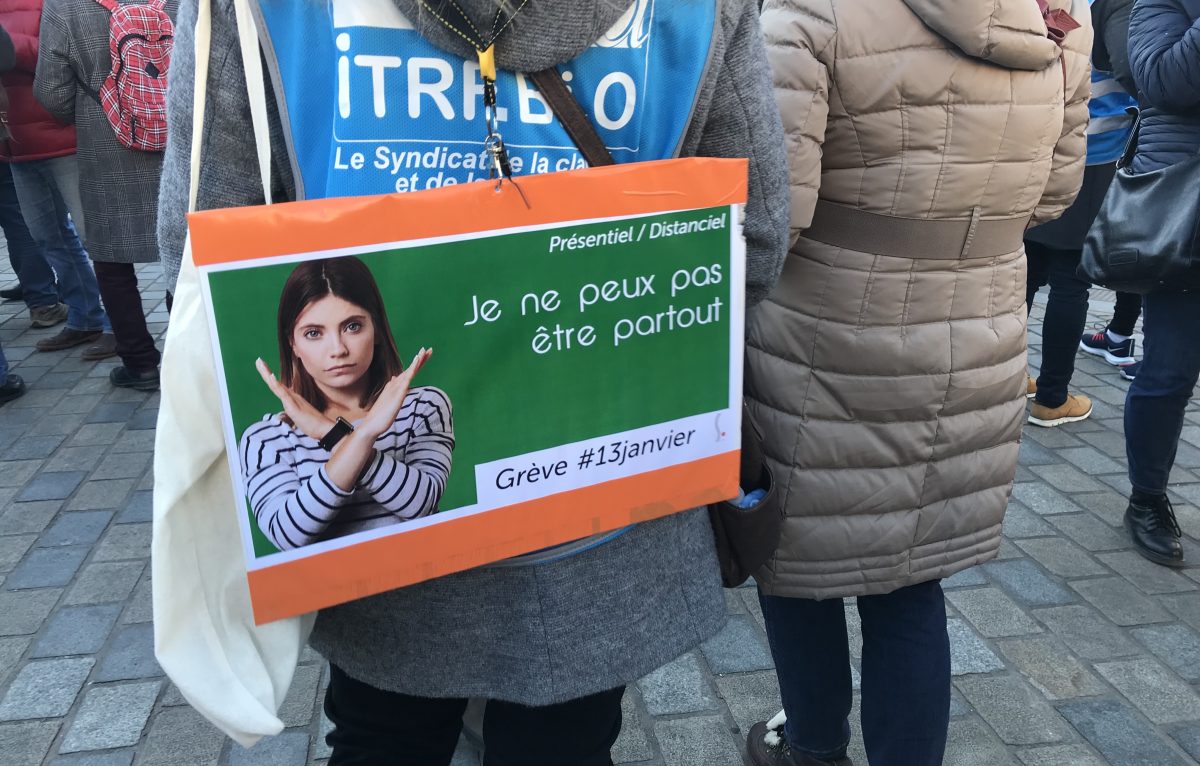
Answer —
533 633
118 186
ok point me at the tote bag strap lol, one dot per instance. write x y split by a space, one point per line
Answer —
255 88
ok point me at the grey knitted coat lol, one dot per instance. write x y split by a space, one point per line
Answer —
118 186
541 631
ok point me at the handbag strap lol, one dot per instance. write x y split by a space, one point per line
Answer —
572 117
1131 142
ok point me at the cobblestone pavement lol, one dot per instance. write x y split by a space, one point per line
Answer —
1069 650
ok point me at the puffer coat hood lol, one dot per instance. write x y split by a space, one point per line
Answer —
1008 34
887 368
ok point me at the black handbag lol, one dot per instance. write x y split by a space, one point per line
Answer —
1146 236
745 538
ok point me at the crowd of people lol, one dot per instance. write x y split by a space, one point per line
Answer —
939 163
77 207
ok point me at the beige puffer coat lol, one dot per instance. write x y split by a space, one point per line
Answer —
887 368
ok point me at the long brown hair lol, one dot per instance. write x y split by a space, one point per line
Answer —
347 278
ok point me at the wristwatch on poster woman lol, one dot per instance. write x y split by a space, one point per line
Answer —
341 428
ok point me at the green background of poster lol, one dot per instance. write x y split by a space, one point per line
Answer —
507 399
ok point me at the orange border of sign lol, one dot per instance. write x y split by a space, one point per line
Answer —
370 567
363 569
245 234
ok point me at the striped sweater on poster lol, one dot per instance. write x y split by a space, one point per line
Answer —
295 503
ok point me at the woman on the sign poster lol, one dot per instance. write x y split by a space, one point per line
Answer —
355 447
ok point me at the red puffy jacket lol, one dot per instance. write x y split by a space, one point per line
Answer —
35 134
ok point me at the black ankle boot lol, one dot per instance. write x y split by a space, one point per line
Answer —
775 752
1155 532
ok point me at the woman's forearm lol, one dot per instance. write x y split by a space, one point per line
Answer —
349 459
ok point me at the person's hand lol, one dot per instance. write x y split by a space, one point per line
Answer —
303 415
383 412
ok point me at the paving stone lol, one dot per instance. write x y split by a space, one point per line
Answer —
79 528
1024 582
1021 522
1088 531
1049 665
968 652
1062 557
297 707
967 578
130 656
47 568
1188 737
465 755
1090 460
108 493
26 743
134 441
77 404
1120 602
77 630
321 748
34 447
971 743
143 420
740 647
140 508
1153 689
632 744
123 465
102 583
1147 576
1111 443
1014 711
701 741
1088 634
1108 506
141 605
680 686
1033 453
287 749
11 650
112 412
1119 734
51 485
45 689
1041 499
111 717
750 697
23 612
123 542
1060 755
96 434
111 758
75 459
992 613
1053 438
13 548
1175 645
181 735
1186 606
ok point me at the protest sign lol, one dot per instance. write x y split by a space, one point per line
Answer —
585 375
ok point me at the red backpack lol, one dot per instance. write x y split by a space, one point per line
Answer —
134 95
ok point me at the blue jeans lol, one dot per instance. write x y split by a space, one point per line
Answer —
40 186
28 263
3 366
905 674
1158 397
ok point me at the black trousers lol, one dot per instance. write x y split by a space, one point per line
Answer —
1126 313
1066 315
373 727
123 304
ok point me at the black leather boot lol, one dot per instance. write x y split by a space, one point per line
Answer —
1154 530
774 750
